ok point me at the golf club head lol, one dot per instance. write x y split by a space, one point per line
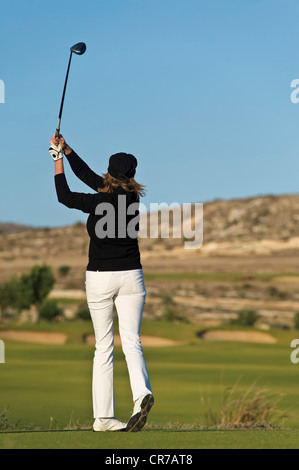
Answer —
79 48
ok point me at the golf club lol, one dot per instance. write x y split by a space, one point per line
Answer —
78 49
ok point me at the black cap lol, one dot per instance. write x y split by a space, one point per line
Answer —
122 166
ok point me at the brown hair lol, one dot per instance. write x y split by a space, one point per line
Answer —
110 184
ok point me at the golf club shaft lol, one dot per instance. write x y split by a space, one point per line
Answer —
63 94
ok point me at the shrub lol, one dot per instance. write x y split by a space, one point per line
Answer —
7 295
83 312
171 315
276 293
37 283
49 310
64 270
29 289
167 300
296 321
247 317
170 312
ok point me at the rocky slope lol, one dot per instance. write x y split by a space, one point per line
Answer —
258 225
248 260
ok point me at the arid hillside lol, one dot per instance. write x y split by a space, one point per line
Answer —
248 260
260 225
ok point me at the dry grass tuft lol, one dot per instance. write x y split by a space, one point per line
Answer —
253 408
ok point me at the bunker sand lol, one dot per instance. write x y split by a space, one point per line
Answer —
243 336
61 338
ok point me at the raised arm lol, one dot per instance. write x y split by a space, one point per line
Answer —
85 202
79 167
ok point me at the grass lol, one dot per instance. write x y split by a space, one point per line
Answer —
252 408
48 390
218 276
205 439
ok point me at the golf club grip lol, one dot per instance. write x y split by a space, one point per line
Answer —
58 128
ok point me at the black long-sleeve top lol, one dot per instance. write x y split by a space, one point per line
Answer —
117 251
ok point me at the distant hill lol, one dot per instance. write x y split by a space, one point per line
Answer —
10 227
262 225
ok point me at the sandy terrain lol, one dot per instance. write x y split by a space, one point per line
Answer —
243 336
147 341
60 338
34 337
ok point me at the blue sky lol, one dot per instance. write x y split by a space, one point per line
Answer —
198 90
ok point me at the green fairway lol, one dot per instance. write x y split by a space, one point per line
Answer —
152 440
48 390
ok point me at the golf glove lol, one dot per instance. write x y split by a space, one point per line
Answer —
56 152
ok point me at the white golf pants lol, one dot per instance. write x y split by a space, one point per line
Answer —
126 289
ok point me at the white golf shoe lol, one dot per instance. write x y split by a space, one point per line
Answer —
108 424
142 407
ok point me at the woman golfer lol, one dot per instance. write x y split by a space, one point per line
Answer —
113 275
